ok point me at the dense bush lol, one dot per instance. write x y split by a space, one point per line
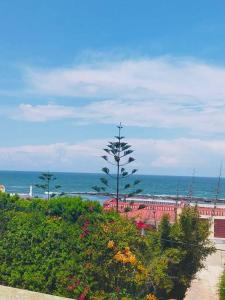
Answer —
222 287
70 247
127 209
141 206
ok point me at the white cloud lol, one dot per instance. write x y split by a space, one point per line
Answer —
177 78
177 156
54 156
152 114
42 113
153 93
132 113
159 92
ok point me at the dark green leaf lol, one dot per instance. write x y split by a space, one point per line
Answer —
125 147
96 188
137 182
117 159
131 159
104 181
127 152
127 186
105 170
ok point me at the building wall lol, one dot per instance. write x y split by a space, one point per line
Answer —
217 226
8 293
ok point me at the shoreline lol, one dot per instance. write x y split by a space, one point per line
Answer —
152 197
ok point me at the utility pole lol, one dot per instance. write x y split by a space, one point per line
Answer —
217 188
190 192
177 199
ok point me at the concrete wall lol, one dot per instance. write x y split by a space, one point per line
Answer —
8 293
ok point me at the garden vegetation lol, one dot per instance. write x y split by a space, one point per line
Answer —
70 247
222 286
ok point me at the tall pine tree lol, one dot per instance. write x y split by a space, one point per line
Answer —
118 155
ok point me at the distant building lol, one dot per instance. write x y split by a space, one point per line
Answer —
2 188
153 211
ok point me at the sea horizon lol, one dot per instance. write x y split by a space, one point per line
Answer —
79 182
101 173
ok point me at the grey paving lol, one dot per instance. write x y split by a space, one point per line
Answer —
205 286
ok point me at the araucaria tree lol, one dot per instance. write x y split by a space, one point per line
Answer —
47 183
118 154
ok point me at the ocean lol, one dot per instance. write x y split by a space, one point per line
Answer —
19 182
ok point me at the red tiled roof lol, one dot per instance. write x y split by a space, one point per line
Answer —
150 214
153 212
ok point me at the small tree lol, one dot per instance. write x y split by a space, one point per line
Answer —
127 209
47 183
164 232
141 206
118 155
187 243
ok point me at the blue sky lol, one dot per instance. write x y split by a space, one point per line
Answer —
71 70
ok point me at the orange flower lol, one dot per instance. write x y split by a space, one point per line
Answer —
105 228
126 256
110 245
150 297
132 259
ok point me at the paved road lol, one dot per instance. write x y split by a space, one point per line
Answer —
205 286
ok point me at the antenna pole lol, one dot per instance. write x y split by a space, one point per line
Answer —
190 192
177 198
218 188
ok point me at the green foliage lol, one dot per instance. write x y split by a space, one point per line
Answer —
70 247
222 287
186 243
141 206
127 209
164 232
71 210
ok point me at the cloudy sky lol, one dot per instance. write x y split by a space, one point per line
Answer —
70 71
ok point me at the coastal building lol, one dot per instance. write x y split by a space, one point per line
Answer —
2 188
151 212
24 195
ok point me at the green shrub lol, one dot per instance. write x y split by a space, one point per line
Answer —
141 206
127 209
70 247
222 287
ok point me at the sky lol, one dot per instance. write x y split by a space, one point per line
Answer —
70 71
